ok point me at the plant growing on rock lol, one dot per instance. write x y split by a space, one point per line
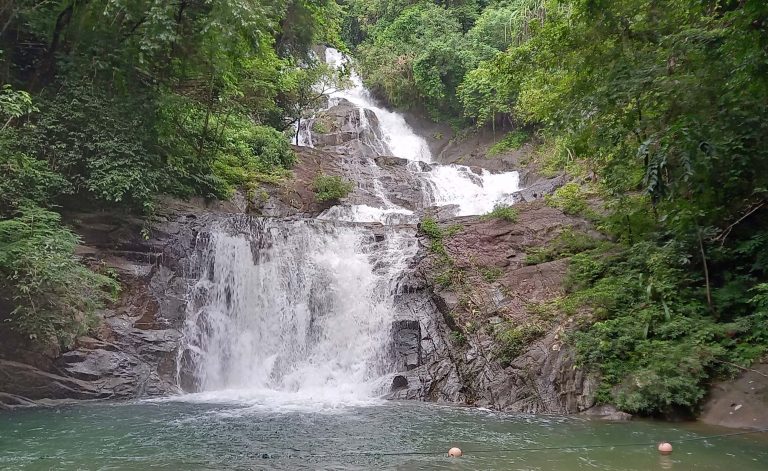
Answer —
331 188
503 212
512 141
53 297
569 198
568 243
514 339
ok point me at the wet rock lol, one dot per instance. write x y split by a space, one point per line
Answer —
539 189
543 377
608 412
399 382
406 342
133 352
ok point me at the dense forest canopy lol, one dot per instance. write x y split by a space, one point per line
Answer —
658 109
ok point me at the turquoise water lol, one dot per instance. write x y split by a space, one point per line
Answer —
246 436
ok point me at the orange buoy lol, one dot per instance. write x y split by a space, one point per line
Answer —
454 452
665 448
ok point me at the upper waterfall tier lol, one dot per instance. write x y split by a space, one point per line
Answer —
359 127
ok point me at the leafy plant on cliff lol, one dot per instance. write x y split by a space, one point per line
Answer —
567 243
569 198
52 295
503 212
512 141
331 188
514 339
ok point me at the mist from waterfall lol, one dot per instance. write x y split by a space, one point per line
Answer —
293 311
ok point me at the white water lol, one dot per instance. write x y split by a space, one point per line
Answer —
297 313
399 138
292 312
473 193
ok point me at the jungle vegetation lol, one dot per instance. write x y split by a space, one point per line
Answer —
658 109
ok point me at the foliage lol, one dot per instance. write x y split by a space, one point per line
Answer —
569 198
110 103
660 109
440 56
458 337
331 188
53 296
99 143
567 243
26 180
655 340
503 212
514 339
491 274
512 141
435 233
13 105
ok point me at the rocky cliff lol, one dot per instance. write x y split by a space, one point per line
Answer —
446 338
476 325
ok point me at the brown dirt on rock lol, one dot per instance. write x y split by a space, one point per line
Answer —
741 402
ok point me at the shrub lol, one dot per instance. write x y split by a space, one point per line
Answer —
566 244
320 127
331 188
514 339
432 229
458 338
105 144
491 274
513 140
52 295
24 178
569 198
503 212
654 339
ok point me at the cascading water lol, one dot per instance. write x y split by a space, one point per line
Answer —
300 311
472 192
293 311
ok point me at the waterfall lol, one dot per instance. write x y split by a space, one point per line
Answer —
474 192
300 311
297 309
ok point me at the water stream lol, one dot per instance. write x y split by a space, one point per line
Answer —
297 311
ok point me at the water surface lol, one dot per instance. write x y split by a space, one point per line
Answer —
242 435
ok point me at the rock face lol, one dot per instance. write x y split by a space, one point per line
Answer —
741 402
133 352
488 289
445 337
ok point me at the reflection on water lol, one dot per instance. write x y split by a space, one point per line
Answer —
243 436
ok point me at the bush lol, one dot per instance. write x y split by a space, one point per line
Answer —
25 179
568 243
102 142
569 198
52 295
331 188
655 341
491 274
514 339
503 212
458 338
432 229
512 141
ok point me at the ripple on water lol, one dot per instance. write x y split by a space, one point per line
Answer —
200 435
